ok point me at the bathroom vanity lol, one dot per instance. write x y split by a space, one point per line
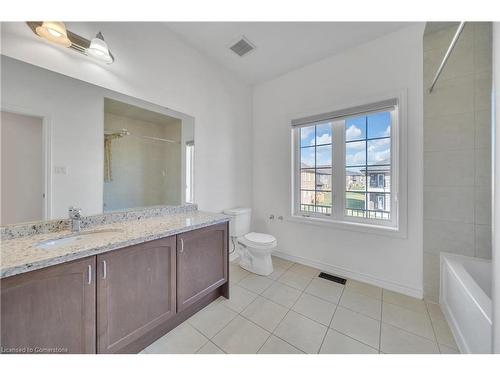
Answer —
113 293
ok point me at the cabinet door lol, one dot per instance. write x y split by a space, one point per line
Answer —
201 263
51 310
136 293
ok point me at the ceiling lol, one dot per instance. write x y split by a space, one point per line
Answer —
281 46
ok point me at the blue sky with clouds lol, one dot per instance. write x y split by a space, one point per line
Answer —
358 129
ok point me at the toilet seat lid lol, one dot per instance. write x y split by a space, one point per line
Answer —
261 238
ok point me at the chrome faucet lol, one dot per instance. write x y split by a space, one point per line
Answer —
75 214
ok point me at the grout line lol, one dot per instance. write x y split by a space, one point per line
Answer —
433 330
331 320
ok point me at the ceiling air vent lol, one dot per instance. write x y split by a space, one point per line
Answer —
242 47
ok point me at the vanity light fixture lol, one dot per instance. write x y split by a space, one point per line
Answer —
56 32
99 49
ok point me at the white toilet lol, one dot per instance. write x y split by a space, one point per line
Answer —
254 248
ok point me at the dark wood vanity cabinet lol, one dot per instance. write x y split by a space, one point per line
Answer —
116 302
51 310
202 263
136 288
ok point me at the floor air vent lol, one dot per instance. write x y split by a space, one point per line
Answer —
333 278
242 47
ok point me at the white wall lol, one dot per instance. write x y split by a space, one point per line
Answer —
74 112
496 187
386 65
153 64
22 177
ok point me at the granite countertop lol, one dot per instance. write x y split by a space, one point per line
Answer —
19 255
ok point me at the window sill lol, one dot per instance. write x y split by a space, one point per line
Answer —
350 226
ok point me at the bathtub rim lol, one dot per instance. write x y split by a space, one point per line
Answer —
472 289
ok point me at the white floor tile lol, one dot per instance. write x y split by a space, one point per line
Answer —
338 343
239 298
241 337
282 294
210 348
265 313
445 349
283 263
411 321
315 308
409 303
236 273
361 303
301 332
275 345
295 280
435 311
212 319
397 341
364 288
255 283
183 339
304 270
443 333
357 326
325 289
277 273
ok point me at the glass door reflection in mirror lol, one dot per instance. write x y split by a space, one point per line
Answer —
189 172
142 157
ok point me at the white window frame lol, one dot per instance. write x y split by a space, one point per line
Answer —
397 224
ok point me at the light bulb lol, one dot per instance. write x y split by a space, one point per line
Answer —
99 49
54 32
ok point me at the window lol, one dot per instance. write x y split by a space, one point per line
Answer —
345 165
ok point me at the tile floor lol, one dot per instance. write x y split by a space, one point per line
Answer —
293 311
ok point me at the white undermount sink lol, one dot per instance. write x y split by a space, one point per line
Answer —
74 237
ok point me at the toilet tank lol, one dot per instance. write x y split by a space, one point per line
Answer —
240 221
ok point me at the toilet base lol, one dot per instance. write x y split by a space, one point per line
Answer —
261 264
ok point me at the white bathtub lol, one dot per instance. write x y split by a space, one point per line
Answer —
465 298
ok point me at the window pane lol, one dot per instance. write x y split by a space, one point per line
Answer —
307 200
355 128
355 179
323 202
307 136
379 125
307 180
355 200
307 157
316 168
324 134
323 156
324 179
379 179
355 204
355 153
379 151
379 202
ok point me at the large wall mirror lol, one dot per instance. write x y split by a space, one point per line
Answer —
67 143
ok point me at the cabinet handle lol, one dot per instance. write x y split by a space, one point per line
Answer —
89 270
182 245
104 269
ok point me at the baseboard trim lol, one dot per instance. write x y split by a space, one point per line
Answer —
349 274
